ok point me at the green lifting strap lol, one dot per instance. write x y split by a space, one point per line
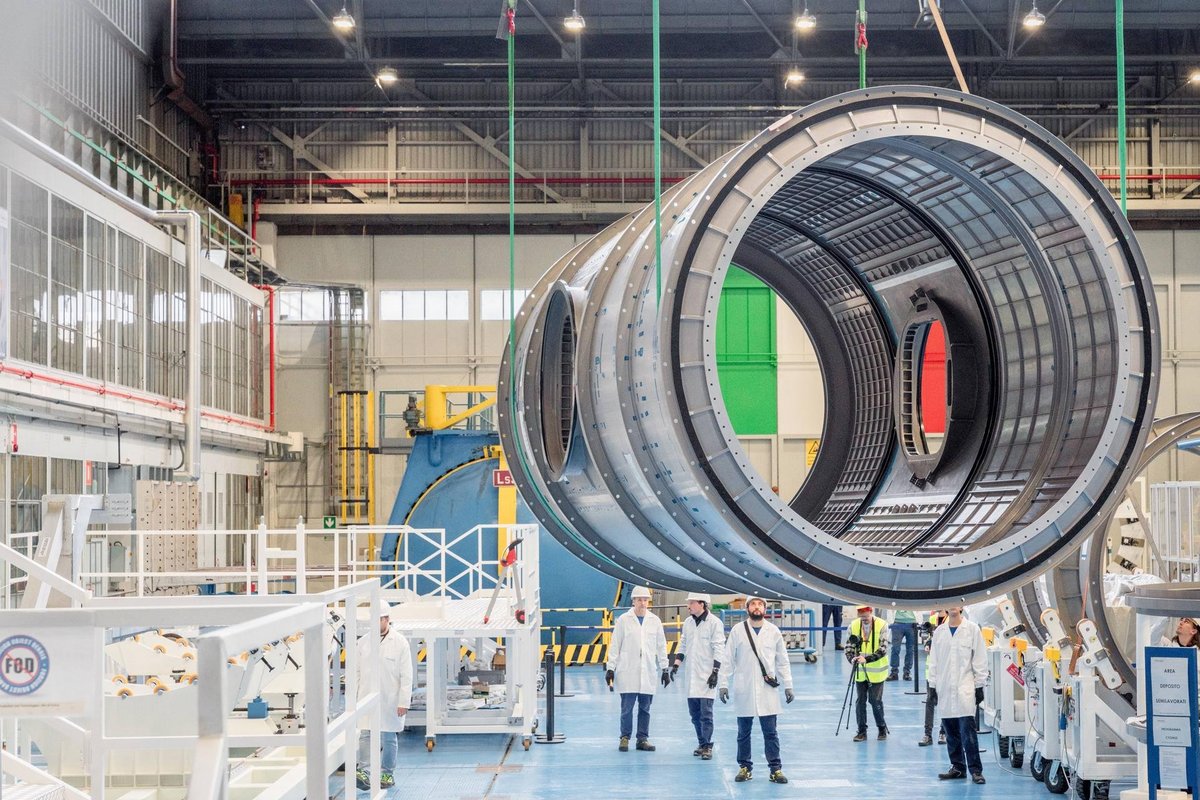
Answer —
1121 155
657 155
512 290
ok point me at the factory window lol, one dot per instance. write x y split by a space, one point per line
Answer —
177 314
494 303
216 325
424 305
161 350
28 484
126 308
66 282
303 305
29 270
240 363
256 362
96 356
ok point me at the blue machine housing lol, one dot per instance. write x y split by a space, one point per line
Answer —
448 484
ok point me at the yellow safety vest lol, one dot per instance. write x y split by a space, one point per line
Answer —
872 671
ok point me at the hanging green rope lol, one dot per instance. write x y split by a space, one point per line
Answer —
657 156
1121 157
860 43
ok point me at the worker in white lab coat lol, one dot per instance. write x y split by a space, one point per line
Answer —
758 665
637 662
396 678
701 651
958 671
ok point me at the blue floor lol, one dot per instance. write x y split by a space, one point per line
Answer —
818 764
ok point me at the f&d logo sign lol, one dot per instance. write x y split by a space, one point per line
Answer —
24 665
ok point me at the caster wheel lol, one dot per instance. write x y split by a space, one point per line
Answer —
1056 779
1100 790
811 658
526 742
1083 788
1017 760
430 744
1037 767
1004 743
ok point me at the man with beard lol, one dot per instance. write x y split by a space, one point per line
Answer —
869 637
758 666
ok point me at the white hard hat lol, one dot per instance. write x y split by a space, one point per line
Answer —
640 591
700 597
754 597
385 608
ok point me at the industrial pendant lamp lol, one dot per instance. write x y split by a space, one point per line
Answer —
1035 18
794 77
575 23
387 76
343 20
806 21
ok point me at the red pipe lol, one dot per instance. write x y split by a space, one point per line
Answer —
568 180
270 290
107 391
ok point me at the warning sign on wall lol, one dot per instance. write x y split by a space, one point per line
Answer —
811 448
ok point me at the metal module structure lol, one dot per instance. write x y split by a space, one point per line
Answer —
875 215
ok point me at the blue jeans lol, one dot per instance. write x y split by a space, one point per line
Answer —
770 740
962 740
390 743
701 709
906 631
831 613
643 703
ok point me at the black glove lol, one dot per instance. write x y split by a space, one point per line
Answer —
978 695
666 678
724 695
933 695
712 679
608 678
674 669
788 695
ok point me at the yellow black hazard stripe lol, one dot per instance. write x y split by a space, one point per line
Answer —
594 653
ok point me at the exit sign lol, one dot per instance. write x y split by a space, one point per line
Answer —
502 477
328 523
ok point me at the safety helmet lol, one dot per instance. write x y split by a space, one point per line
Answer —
861 609
700 597
385 608
754 597
640 591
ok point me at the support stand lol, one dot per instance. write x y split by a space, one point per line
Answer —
550 736
562 663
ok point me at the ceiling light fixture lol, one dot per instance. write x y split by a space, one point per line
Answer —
794 77
387 76
806 21
343 20
1194 77
1035 18
575 23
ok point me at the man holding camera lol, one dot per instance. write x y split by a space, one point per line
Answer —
759 665
958 671
867 652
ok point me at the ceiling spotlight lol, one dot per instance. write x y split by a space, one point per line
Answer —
794 77
1194 77
1035 18
343 20
806 21
575 22
387 76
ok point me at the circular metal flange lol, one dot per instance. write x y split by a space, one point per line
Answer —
862 201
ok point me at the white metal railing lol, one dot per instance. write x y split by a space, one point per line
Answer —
241 623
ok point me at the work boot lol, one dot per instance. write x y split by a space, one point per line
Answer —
893 676
952 775
942 738
699 751
925 741
908 676
386 781
882 735
838 647
978 778
362 780
706 755
778 777
644 744
743 775
624 745
861 736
